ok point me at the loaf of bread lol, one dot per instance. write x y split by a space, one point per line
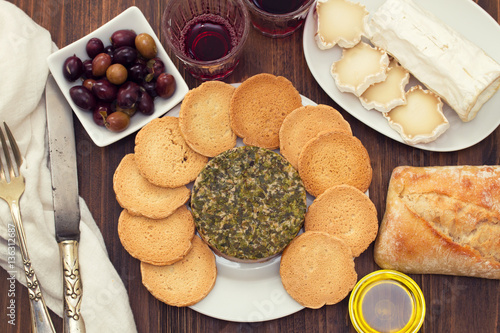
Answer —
442 220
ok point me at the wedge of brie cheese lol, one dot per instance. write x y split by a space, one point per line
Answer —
386 95
339 22
359 67
421 119
461 73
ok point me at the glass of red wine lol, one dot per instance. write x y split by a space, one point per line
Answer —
208 36
278 18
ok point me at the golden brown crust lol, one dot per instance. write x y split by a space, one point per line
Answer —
303 124
204 118
140 197
158 242
163 156
317 269
345 212
185 282
259 106
442 220
334 158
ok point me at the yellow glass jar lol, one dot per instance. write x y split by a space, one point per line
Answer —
386 301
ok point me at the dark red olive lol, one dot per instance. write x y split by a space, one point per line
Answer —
82 97
128 95
110 49
150 87
94 47
123 37
156 67
137 72
87 70
72 68
165 85
141 61
102 110
105 90
125 56
146 104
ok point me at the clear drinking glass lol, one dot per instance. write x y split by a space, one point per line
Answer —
278 18
208 36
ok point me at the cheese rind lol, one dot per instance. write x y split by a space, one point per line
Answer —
461 73
360 67
421 119
340 22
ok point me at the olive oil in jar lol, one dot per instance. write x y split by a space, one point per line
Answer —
386 302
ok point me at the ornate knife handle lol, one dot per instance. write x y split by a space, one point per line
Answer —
72 287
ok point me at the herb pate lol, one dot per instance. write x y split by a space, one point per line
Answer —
248 203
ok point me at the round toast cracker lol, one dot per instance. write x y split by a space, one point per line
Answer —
204 118
259 106
303 124
187 281
162 155
140 197
334 158
317 269
345 212
158 242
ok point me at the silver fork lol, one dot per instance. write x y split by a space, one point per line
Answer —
11 189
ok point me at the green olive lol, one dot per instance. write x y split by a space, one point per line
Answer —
146 45
116 74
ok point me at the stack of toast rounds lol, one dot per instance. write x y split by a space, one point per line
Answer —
157 228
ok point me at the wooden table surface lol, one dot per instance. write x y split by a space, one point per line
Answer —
454 304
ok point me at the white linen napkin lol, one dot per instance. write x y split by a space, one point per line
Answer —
23 71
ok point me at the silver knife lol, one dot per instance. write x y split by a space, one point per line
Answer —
65 197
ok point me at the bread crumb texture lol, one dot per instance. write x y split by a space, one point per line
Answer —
259 106
305 123
140 197
345 212
185 282
442 220
163 156
334 158
317 269
204 118
158 242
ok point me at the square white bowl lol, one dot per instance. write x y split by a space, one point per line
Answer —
133 19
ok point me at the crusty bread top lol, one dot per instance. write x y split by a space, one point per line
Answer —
442 220
185 282
140 197
204 118
334 158
317 269
163 156
345 212
259 106
303 124
158 242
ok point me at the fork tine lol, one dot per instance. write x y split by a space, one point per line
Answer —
7 157
6 153
14 146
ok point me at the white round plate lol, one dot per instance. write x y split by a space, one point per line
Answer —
464 16
247 292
